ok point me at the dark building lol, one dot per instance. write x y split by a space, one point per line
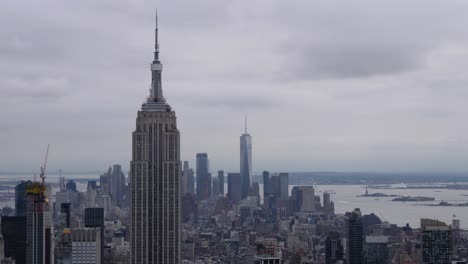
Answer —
65 210
333 248
234 187
436 242
14 235
189 208
94 217
221 181
377 251
71 185
355 237
21 198
215 189
266 183
203 177
118 185
188 182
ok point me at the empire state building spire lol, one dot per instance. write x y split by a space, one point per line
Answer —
156 93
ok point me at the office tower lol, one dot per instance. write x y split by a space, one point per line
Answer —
15 237
91 193
284 186
333 248
203 177
304 198
215 187
436 242
274 186
221 181
71 186
327 204
266 183
355 237
256 189
189 208
118 185
65 211
377 251
155 182
86 245
105 182
21 197
189 179
245 161
234 187
38 225
61 181
94 217
104 201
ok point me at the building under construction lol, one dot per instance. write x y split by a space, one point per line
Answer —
39 225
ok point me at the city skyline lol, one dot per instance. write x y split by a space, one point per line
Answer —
379 94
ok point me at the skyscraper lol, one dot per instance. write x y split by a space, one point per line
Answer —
333 248
436 242
221 181
234 187
189 180
118 185
355 237
155 178
15 237
38 225
245 162
94 217
203 177
21 197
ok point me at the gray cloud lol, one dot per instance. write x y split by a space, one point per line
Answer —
324 84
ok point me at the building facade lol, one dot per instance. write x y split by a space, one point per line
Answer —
436 242
221 181
86 246
245 162
355 237
155 178
203 177
234 187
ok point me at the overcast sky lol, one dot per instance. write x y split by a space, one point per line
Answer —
327 85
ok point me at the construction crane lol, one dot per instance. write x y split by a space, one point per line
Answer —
44 165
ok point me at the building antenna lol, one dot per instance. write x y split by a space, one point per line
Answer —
245 126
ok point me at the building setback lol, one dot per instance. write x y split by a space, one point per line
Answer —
155 178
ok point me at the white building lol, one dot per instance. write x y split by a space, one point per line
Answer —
86 245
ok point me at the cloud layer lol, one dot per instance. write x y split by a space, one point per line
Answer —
363 85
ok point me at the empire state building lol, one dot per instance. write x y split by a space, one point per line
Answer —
155 177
